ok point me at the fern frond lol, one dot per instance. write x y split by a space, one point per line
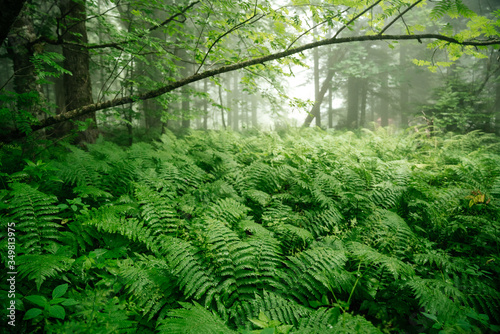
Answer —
437 297
149 281
41 267
193 319
369 257
307 270
157 210
229 211
390 233
274 306
194 279
34 213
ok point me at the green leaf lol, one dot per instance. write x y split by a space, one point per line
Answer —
57 301
57 311
32 313
37 300
261 324
69 302
60 290
267 331
430 316
263 317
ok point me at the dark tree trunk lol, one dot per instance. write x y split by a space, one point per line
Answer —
30 93
77 87
496 108
9 11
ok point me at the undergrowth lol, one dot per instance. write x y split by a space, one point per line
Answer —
218 232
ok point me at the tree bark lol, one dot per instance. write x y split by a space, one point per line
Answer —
9 12
30 96
384 100
77 87
91 108
404 87
235 106
330 106
352 102
317 114
363 97
324 87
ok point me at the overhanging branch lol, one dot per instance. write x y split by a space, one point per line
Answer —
229 68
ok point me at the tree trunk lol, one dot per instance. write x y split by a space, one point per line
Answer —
384 100
330 106
363 97
324 87
317 97
235 106
496 107
352 102
222 108
254 106
404 88
9 12
205 106
77 87
30 96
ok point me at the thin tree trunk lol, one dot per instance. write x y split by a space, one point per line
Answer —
222 108
205 106
235 109
324 88
363 97
317 97
384 100
404 88
254 106
330 106
352 102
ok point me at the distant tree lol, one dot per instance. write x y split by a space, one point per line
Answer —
226 36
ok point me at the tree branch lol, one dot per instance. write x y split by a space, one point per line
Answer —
399 16
209 73
117 45
239 25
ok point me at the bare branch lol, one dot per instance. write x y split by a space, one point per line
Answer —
236 27
356 17
399 16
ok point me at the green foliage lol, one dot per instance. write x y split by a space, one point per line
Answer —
306 233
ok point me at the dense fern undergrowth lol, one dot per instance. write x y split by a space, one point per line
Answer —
299 232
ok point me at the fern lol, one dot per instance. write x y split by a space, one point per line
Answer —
382 264
34 213
41 267
193 319
150 283
309 272
157 211
275 307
